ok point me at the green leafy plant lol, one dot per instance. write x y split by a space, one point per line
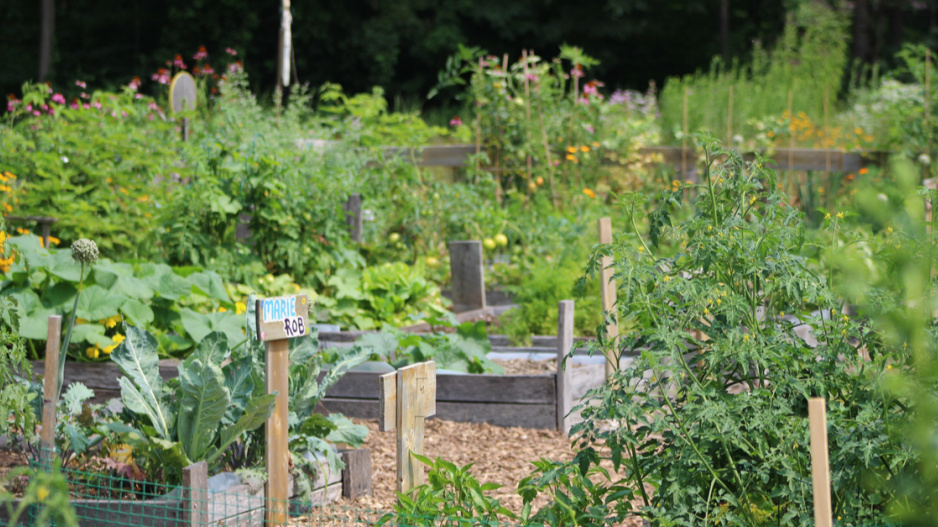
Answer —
46 498
452 495
174 424
713 403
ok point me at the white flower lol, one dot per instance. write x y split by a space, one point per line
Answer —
924 159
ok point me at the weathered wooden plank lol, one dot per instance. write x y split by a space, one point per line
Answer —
277 455
488 388
102 377
195 493
356 476
820 465
585 378
50 390
564 369
608 289
467 268
523 415
387 395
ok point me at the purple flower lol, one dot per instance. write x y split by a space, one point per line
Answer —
80 84
231 52
58 98
201 54
134 83
455 121
179 63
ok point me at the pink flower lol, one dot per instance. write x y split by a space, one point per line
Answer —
201 54
96 105
153 106
234 67
75 104
231 52
29 107
179 63
37 113
161 76
123 113
577 71
12 102
58 98
84 95
532 77
206 70
80 84
455 121
150 116
138 96
134 83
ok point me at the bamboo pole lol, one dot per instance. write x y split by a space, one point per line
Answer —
608 289
791 135
827 152
729 120
684 138
479 121
550 165
527 112
820 466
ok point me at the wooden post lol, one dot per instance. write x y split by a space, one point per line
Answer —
827 152
50 389
684 138
479 120
195 492
408 396
564 370
791 134
550 163
820 469
467 269
608 286
278 320
356 476
729 121
527 112
353 217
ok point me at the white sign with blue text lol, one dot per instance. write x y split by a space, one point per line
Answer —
282 317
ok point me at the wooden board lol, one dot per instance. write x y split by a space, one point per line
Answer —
356 476
102 377
564 375
487 388
820 465
387 395
283 317
523 415
277 454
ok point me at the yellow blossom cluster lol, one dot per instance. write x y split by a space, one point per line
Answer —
93 352
110 322
803 130
6 262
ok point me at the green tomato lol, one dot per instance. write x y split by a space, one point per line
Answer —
488 243
394 237
501 240
432 262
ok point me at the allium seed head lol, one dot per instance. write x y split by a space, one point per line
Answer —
85 251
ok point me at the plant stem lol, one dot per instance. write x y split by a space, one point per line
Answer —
68 335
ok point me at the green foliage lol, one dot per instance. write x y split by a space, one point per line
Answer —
809 61
44 282
46 498
715 398
15 397
174 424
452 494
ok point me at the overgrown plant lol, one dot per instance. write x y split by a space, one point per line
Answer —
732 332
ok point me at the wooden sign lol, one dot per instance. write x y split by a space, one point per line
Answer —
182 92
282 317
407 397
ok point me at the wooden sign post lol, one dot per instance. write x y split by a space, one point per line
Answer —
407 397
564 371
182 96
820 466
608 288
278 320
50 390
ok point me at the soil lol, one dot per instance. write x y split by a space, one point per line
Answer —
10 460
531 367
500 455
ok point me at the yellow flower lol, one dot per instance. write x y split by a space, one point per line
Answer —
118 338
571 149
54 241
719 301
584 148
596 144
110 322
222 310
746 338
8 207
820 190
589 192
752 200
827 216
641 249
675 183
42 493
667 278
840 215
108 349
706 311
889 230
92 353
240 307
20 230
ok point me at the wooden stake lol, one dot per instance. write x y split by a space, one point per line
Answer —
195 490
278 454
527 110
550 164
564 369
684 138
729 120
608 288
408 396
479 120
820 469
791 134
827 152
50 388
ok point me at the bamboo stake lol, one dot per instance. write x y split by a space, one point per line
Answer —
608 289
791 135
684 138
527 111
827 152
576 97
729 120
927 104
550 165
479 121
820 467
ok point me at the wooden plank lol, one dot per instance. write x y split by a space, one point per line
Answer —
356 476
277 453
820 466
50 389
608 289
387 395
564 369
524 415
468 275
353 218
585 378
488 388
195 493
410 428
